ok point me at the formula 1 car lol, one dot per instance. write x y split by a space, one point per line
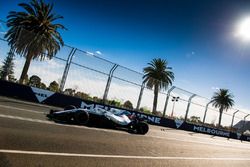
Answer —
98 117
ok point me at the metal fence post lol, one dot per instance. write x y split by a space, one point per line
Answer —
140 96
167 99
108 83
205 114
233 119
244 122
66 69
188 106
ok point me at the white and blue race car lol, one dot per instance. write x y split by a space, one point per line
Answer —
98 117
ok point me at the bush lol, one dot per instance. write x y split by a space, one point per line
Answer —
145 110
195 119
96 99
247 133
82 95
35 81
115 103
42 86
128 105
69 91
54 86
158 113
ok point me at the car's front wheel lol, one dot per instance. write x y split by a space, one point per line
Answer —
142 128
81 117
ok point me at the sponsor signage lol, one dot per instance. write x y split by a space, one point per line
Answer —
211 131
41 94
60 100
178 123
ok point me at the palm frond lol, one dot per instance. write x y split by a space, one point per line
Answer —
158 74
38 36
223 99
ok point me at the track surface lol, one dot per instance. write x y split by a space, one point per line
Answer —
27 138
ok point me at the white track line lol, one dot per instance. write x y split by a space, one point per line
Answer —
206 137
15 108
57 124
41 121
170 138
119 156
26 119
24 102
244 146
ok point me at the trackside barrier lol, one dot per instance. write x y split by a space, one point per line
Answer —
38 95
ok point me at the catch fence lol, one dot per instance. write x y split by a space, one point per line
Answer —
88 76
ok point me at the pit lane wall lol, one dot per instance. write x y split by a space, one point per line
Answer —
38 95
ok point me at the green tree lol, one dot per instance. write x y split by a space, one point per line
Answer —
223 100
82 95
127 104
54 86
33 34
145 110
35 81
42 85
69 91
7 70
115 102
97 99
158 76
195 119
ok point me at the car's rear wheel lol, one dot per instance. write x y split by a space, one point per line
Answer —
70 107
81 117
142 128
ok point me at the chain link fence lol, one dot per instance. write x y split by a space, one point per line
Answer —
85 75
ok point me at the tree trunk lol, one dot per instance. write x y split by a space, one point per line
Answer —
4 76
220 117
25 68
156 90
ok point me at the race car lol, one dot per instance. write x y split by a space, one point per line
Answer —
98 117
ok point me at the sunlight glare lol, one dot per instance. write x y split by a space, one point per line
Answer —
243 30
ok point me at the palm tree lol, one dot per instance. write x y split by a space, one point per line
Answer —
32 33
223 100
158 76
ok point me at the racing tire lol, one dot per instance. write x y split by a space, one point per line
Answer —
50 115
81 118
142 128
70 107
52 112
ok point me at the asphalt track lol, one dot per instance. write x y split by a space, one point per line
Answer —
27 138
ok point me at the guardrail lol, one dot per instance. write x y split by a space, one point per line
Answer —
38 95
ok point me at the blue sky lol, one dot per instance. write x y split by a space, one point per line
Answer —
195 37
